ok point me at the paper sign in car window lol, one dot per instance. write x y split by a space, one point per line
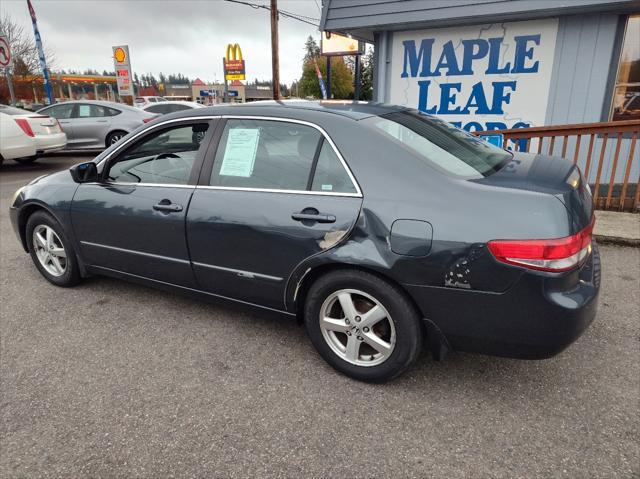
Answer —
240 152
84 110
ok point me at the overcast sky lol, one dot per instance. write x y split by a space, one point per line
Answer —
169 36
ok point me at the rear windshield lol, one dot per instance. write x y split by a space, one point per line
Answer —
441 144
9 110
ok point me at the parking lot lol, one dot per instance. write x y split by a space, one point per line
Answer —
111 379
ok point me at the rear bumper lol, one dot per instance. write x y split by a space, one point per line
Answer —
49 143
536 318
22 149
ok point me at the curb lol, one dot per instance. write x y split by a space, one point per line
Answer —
616 240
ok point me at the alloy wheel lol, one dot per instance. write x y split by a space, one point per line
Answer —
49 250
116 138
357 327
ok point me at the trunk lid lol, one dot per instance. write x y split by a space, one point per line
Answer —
551 175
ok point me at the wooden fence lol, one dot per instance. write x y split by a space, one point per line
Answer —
596 147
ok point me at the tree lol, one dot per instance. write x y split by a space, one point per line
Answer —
366 74
312 50
341 79
23 47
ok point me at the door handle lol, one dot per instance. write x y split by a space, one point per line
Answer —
101 121
317 217
167 207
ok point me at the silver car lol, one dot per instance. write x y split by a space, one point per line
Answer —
96 124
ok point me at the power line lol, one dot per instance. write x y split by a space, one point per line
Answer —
295 16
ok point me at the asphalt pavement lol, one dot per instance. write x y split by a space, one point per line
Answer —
111 379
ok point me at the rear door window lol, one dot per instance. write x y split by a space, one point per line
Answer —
330 175
90 111
265 154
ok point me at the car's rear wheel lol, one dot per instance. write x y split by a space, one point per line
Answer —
114 137
51 251
362 325
27 160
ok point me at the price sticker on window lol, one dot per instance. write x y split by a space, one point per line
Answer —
240 152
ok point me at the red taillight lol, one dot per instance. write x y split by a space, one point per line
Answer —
555 255
147 120
24 124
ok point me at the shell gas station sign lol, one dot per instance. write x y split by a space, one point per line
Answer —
233 63
122 64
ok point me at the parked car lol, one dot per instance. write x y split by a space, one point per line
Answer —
46 132
143 101
15 143
377 226
165 107
91 124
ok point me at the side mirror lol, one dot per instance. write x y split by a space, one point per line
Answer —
84 172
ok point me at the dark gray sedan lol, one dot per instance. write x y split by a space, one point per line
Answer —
378 227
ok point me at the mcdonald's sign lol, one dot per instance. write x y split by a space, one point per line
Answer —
233 63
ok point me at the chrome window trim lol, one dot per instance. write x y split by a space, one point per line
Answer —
273 190
156 185
322 132
326 136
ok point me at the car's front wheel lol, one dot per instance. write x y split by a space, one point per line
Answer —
51 251
362 325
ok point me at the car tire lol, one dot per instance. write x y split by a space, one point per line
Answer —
348 346
27 160
52 252
114 137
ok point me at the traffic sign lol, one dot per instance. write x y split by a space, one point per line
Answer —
5 52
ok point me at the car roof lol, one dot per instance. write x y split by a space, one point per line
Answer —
175 102
356 110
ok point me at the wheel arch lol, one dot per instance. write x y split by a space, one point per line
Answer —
312 275
437 341
25 212
23 217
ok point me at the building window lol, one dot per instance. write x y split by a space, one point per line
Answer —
626 95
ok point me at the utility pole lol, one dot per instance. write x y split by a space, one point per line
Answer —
356 94
9 77
329 77
275 67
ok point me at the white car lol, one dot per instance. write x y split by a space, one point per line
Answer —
166 106
142 101
26 135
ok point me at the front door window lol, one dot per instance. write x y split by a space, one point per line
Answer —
165 157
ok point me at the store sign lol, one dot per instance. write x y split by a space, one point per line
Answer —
332 44
481 77
233 63
122 65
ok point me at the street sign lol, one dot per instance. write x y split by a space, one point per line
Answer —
122 64
233 63
5 52
332 44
